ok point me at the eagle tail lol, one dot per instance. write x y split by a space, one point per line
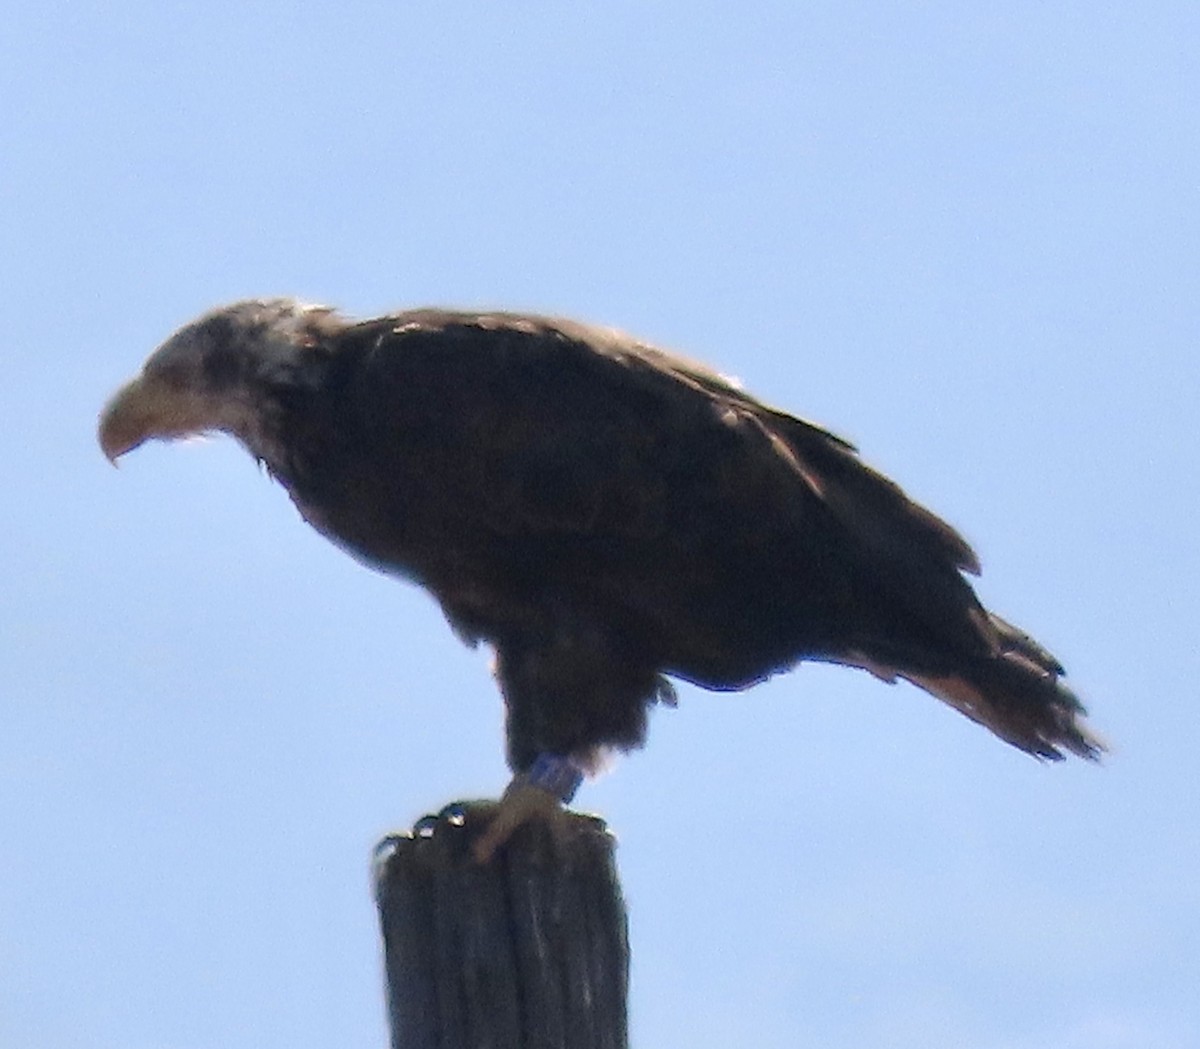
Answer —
1019 694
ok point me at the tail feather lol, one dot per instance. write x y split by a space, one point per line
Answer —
1017 691
1019 642
1018 694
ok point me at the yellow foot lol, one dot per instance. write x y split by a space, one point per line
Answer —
521 803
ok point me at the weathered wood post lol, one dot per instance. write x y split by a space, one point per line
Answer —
527 951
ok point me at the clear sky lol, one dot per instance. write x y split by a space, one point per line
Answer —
963 234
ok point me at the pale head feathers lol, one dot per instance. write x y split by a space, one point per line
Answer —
205 377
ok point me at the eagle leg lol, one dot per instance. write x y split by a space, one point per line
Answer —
540 792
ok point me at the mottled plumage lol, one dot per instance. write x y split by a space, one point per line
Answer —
605 514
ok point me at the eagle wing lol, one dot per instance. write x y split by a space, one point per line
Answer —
579 450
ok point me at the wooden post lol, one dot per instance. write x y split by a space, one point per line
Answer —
527 951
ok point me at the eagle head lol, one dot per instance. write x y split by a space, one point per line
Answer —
203 378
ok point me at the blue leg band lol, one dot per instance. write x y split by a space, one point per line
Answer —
556 775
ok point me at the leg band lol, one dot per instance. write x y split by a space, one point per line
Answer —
556 775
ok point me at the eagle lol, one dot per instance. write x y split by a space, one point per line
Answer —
606 515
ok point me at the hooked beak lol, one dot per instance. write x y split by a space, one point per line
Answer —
128 420
149 408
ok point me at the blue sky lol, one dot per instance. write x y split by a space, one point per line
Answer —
964 235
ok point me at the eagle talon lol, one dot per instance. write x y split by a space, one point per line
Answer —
521 803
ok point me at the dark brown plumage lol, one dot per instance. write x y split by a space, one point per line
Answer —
605 514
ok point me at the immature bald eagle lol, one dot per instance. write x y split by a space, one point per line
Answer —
605 514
